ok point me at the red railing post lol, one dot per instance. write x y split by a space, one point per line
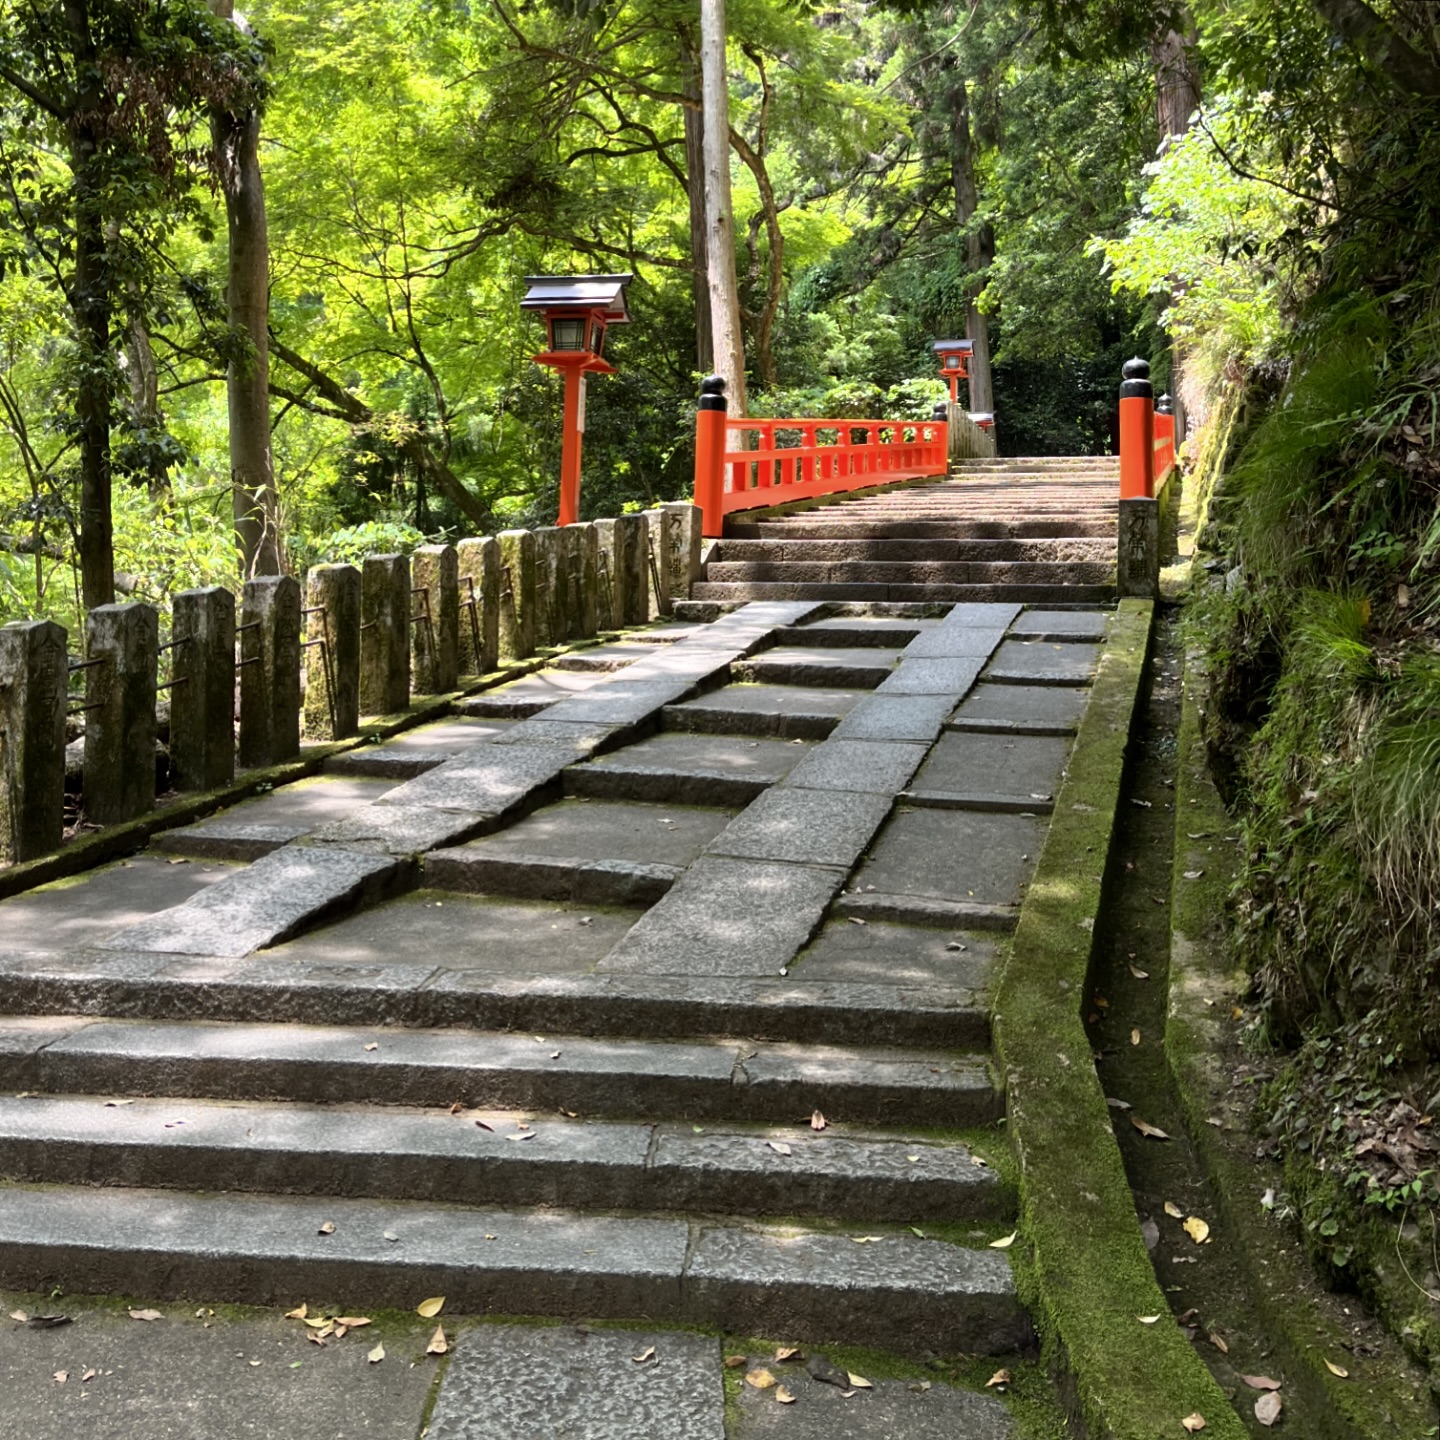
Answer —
1164 439
710 439
1137 432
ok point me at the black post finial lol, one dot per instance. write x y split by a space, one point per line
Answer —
712 393
1165 405
1135 380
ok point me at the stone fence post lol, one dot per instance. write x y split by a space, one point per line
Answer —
686 543
122 643
202 688
33 683
435 586
583 557
478 567
332 652
269 670
517 594
658 562
384 634
552 608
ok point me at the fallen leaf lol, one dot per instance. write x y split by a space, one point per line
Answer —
1147 1319
1135 1036
340 1332
1138 973
1193 874
1260 1382
648 1353
116 1104
484 1126
1000 1377
20 1315
1339 1370
429 1309
1150 1233
856 920
788 1352
353 1322
1218 1341
760 1379
438 1343
457 1108
867 1239
858 1381
60 1376
297 1314
1173 1210
783 1395
818 1121
1005 1241
372 1046
1194 1422
377 1354
47 1322
315 1339
1196 1229
1268 1407
88 1375
1153 1132
146 1315
318 1322
523 1135
328 1228
734 1362
391 1236
779 1147
1115 1104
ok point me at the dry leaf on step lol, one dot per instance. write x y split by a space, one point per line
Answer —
1268 1407
1339 1370
376 1355
429 1309
779 1147
146 1315
858 1381
1197 1229
1173 1210
1260 1382
648 1353
1000 1377
783 1395
818 1121
1005 1241
1194 1423
760 1379
438 1343
1153 1132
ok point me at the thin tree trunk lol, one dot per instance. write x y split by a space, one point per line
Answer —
719 211
236 138
695 190
1382 45
979 246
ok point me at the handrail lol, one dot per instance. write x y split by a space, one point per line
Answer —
1147 435
746 464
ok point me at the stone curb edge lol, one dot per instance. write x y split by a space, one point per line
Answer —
1367 1404
1081 1265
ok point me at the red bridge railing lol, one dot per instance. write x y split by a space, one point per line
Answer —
1147 435
750 464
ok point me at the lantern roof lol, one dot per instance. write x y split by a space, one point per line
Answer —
944 347
579 292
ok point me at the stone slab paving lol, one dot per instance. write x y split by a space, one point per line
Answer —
952 677
1022 703
222 838
610 830
792 711
1035 662
530 694
1029 765
412 752
402 830
514 1382
263 903
1075 625
864 667
896 717
804 826
954 855
879 767
687 769
887 954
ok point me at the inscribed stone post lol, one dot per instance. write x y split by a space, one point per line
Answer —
332 668
584 544
202 688
478 563
685 547
658 562
517 594
550 616
120 720
269 670
631 572
1137 548
33 681
384 634
435 577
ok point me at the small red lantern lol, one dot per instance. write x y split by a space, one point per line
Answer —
954 358
577 309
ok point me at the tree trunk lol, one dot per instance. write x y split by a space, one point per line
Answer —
1382 45
695 190
979 246
236 138
719 211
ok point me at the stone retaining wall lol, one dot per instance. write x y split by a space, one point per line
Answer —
311 659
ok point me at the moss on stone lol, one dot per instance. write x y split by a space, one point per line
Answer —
1081 1263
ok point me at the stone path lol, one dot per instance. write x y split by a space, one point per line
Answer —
533 1007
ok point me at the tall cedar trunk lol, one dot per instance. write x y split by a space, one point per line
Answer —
979 246
144 378
90 305
236 138
695 190
1177 97
719 211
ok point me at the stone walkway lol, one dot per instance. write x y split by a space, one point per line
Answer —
532 1008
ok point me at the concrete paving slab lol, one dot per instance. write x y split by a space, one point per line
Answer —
900 1292
895 717
888 954
514 1382
1061 704
610 830
804 827
1019 765
1036 662
401 829
1061 625
948 642
981 615
954 855
268 1251
863 668
223 1375
431 929
87 908
727 917
951 677
893 1409
261 904
792 711
681 769
488 780
879 766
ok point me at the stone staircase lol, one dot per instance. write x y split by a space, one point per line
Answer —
650 987
1040 531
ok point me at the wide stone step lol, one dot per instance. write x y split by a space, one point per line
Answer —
915 572
897 1290
494 1158
640 1079
828 525
1033 594
1080 547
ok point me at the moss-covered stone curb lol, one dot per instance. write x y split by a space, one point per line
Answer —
1081 1263
1378 1399
113 841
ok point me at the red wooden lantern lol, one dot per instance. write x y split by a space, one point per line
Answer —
954 358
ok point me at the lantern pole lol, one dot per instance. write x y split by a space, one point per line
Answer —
574 438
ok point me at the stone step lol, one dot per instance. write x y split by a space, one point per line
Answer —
860 669
494 1158
1051 550
792 712
828 525
918 572
940 1006
641 1079
917 1296
1029 594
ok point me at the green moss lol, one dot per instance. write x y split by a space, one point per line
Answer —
1081 1264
